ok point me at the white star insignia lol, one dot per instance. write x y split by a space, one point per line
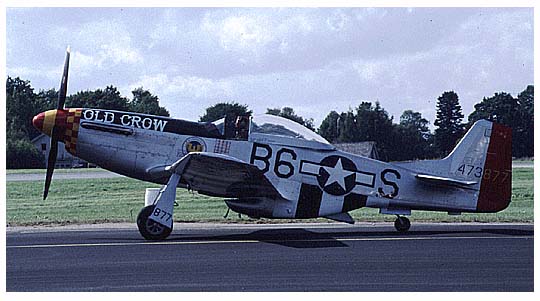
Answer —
337 174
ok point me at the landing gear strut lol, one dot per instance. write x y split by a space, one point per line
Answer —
402 224
150 229
155 222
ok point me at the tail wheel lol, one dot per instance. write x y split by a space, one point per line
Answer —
150 229
402 224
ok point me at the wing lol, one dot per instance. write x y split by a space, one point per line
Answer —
221 175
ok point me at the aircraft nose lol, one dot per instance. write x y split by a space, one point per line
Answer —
45 121
37 121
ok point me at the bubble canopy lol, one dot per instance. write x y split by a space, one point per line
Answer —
279 126
266 124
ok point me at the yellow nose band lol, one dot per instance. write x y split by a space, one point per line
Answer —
49 121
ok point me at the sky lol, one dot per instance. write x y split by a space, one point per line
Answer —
311 59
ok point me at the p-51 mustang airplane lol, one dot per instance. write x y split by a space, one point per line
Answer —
271 167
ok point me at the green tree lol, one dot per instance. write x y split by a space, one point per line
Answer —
21 105
21 153
329 127
516 113
109 99
414 120
374 124
46 100
448 122
412 137
222 109
288 112
20 108
501 108
144 102
525 130
370 123
347 127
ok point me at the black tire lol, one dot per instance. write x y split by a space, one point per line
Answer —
402 224
150 229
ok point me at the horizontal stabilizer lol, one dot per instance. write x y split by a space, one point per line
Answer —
341 217
443 181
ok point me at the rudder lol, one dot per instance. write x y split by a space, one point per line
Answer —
484 155
496 186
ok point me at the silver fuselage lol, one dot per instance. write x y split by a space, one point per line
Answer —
147 149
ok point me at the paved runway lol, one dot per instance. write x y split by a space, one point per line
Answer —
289 257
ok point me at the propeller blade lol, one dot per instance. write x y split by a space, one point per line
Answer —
63 84
51 162
55 132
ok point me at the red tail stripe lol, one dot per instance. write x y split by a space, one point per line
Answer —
496 186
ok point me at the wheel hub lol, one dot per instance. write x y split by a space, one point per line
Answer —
154 227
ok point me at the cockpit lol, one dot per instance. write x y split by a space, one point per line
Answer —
270 129
279 126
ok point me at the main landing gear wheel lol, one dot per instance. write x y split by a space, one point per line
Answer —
402 224
150 229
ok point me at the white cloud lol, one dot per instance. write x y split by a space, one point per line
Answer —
99 45
243 34
337 21
52 74
314 60
25 72
257 32
165 29
184 86
199 87
369 70
508 33
119 55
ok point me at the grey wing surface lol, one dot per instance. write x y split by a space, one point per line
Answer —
222 175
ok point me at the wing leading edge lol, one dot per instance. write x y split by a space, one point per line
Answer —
222 175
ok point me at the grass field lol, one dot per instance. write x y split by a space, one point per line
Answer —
120 199
58 170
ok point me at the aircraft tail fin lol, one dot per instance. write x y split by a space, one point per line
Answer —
484 155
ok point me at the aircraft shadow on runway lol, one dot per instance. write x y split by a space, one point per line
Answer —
324 238
302 238
512 232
